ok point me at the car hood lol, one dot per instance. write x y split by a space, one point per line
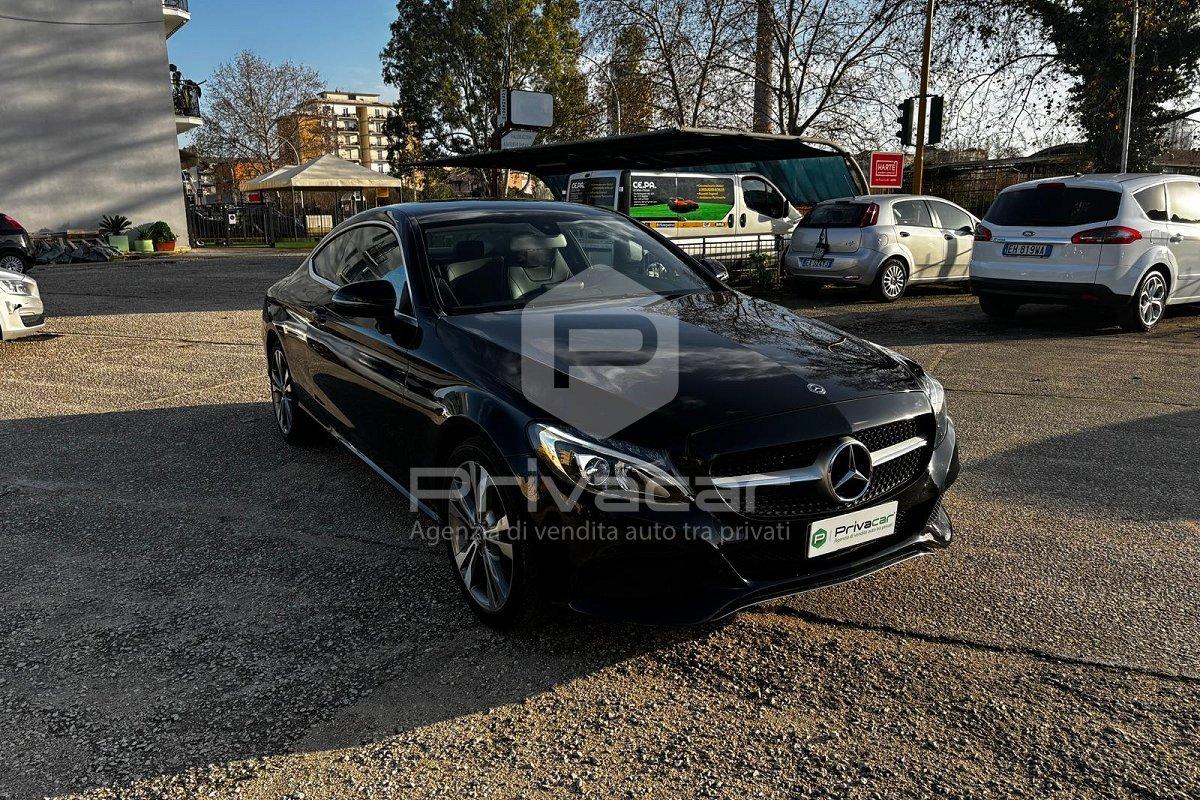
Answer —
735 357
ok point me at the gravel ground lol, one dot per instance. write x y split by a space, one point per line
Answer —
190 608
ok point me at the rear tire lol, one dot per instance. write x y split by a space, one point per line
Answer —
891 282
998 307
294 424
489 544
1148 305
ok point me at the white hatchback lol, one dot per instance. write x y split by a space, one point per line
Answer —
1130 243
21 310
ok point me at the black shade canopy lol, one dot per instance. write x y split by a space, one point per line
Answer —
664 150
668 148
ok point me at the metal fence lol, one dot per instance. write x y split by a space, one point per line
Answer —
735 252
248 225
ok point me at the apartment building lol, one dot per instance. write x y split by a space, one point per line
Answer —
349 125
90 111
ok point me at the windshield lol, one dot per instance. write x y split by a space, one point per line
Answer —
504 261
835 215
1054 207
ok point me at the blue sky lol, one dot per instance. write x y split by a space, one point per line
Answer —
340 38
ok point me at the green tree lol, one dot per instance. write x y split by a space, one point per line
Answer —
1091 38
448 60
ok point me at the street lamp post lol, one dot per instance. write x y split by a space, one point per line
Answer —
612 85
1129 90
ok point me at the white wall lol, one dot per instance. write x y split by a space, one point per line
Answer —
87 125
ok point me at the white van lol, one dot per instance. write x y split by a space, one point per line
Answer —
691 208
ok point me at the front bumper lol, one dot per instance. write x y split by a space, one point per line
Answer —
695 566
1050 292
857 268
21 316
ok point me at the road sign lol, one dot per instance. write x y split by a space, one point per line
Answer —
517 138
523 109
887 170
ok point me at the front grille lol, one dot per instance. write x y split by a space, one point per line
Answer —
782 558
806 499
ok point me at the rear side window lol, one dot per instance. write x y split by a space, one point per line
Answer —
951 217
912 212
1154 202
1185 201
1053 207
835 215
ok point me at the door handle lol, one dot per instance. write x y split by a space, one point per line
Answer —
905 234
949 237
742 220
1176 239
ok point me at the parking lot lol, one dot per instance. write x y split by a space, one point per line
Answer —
189 606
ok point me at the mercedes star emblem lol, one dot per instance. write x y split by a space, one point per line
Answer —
847 474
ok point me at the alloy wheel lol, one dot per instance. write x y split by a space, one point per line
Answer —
893 280
11 263
1152 300
480 536
282 395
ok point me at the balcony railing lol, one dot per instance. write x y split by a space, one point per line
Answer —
187 99
178 5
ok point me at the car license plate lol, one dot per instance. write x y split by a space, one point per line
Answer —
816 263
1028 250
837 533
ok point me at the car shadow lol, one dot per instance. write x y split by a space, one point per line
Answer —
183 588
1143 469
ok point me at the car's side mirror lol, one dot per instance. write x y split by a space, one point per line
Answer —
715 268
373 299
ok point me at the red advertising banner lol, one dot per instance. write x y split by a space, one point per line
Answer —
887 170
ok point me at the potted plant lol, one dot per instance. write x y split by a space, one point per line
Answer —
114 226
163 237
145 244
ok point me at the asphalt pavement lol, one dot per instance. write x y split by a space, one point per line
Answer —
189 607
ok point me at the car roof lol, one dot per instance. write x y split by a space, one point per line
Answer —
886 198
449 210
1133 181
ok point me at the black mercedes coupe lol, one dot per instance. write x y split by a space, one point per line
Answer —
583 413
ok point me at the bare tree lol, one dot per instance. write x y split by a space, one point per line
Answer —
691 45
245 99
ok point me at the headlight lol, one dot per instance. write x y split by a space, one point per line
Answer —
19 288
937 399
607 471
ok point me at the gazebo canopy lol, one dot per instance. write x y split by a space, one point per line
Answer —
326 172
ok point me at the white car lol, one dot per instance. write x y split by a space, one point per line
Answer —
884 242
21 310
1130 243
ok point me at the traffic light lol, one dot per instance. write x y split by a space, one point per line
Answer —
935 119
905 134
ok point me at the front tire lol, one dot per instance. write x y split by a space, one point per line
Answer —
1148 306
489 546
891 282
294 425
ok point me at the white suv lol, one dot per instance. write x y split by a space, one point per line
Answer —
1126 242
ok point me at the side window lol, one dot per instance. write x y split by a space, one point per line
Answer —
1153 201
764 198
360 254
912 212
951 217
1185 201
